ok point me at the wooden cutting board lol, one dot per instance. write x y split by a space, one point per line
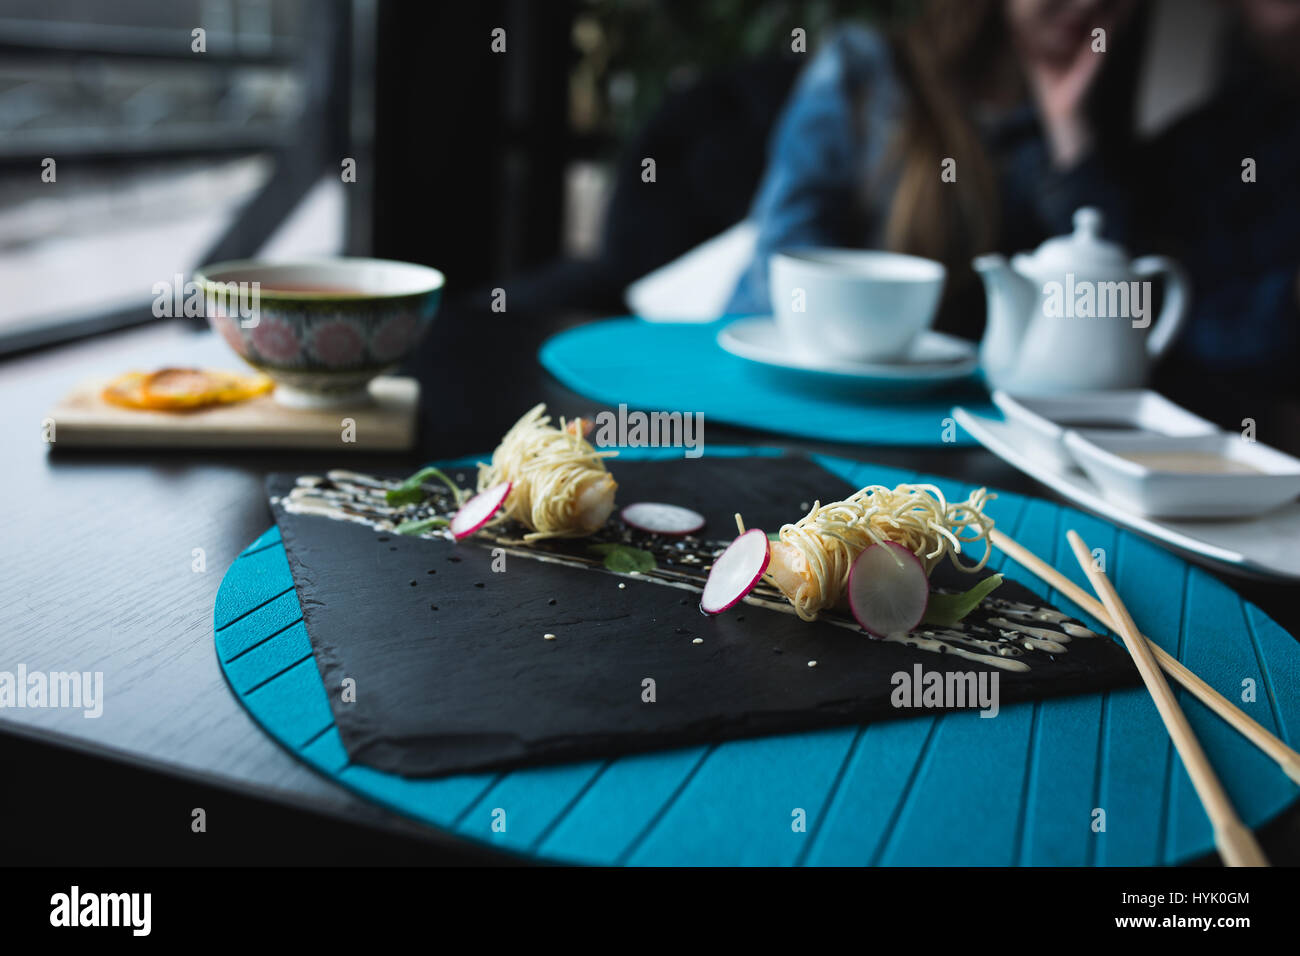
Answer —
84 420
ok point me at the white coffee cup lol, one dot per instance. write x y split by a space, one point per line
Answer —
854 304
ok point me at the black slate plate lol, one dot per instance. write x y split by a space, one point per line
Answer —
452 672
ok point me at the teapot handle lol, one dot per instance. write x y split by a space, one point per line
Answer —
1177 293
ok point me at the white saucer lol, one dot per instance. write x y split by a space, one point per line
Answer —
935 358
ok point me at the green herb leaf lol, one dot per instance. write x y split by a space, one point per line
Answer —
421 526
624 558
947 610
411 491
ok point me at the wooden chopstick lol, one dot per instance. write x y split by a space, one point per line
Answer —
1261 737
1233 838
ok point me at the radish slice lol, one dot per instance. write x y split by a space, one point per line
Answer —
888 589
476 512
735 572
660 518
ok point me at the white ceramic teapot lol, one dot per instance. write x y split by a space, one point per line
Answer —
1075 315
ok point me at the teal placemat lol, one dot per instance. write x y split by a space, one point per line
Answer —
1021 788
658 366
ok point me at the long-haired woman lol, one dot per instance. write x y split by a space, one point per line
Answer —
1027 105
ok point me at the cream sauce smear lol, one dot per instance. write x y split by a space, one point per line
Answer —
1011 630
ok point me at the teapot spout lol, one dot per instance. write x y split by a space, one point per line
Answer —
1011 300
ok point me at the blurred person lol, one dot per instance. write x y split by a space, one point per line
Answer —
1222 194
1037 120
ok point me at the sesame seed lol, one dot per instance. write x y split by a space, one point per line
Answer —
621 585
548 637
698 640
812 663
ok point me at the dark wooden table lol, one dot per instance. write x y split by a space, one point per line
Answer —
96 574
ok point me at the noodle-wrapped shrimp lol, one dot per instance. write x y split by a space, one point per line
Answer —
559 485
810 562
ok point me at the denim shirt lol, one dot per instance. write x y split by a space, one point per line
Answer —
834 136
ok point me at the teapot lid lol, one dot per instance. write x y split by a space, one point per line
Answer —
1082 250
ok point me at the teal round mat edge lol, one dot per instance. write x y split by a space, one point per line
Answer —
679 366
944 789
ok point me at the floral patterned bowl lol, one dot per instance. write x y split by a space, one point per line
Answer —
321 329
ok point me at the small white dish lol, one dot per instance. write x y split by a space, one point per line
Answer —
1263 546
934 358
1193 476
1044 420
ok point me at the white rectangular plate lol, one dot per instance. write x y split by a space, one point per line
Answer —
1266 546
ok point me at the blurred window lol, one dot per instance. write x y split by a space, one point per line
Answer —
132 148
